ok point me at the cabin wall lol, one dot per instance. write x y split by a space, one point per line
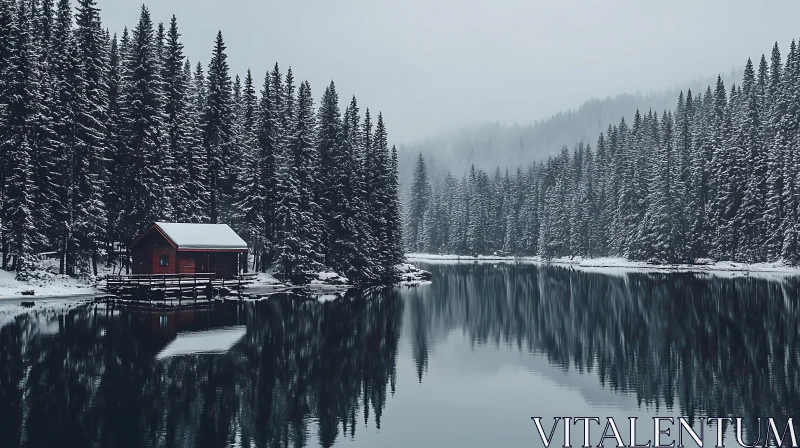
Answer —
147 255
141 261
186 263
169 251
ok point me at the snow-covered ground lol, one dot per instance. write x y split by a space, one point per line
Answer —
617 263
43 284
411 275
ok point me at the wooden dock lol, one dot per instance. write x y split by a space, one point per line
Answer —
174 290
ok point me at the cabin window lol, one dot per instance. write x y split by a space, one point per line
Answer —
164 261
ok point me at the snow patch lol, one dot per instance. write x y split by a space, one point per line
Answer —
700 265
43 284
410 275
329 278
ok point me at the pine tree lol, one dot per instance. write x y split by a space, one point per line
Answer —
268 136
383 206
146 141
116 154
250 195
6 49
298 213
774 204
418 202
196 184
361 247
331 195
22 114
44 139
88 211
177 153
217 125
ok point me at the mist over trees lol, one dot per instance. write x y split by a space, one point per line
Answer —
714 178
101 135
490 145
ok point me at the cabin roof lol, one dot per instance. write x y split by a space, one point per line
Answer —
190 236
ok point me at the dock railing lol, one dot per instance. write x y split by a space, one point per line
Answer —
175 288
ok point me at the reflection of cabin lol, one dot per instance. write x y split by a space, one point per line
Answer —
178 332
182 248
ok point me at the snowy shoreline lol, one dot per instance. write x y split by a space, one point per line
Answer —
612 263
46 285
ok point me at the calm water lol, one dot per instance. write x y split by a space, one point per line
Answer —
465 361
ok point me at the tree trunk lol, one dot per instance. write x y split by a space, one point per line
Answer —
4 245
94 262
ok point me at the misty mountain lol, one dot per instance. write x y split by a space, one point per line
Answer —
489 145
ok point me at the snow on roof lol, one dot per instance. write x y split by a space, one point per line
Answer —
200 342
202 236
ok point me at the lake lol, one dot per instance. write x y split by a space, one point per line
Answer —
465 361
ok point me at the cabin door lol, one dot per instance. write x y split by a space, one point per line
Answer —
203 263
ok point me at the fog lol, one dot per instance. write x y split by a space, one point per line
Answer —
437 65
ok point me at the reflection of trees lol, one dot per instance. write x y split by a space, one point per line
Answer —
708 345
301 364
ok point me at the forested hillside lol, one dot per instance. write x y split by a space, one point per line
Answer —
101 135
490 145
716 177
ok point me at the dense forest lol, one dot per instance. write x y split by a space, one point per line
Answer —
490 145
102 135
715 178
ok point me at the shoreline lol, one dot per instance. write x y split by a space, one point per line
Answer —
604 264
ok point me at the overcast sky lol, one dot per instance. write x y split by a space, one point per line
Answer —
437 64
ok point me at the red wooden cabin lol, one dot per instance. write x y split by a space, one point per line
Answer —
183 248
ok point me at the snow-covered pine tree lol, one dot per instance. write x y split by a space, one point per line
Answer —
44 138
788 138
248 211
384 186
196 159
6 45
331 194
394 214
217 129
602 215
267 136
774 203
417 202
361 247
298 213
64 75
753 236
116 154
146 141
682 188
88 211
21 115
178 152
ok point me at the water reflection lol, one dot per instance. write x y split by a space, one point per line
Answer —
96 382
309 373
696 344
